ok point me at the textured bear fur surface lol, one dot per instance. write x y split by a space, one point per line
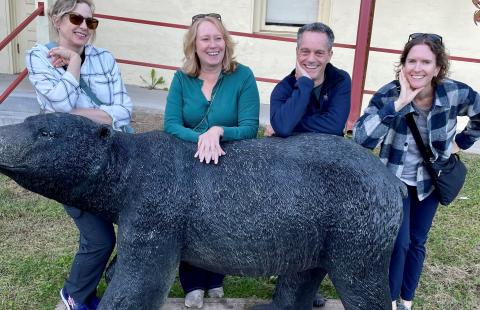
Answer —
300 207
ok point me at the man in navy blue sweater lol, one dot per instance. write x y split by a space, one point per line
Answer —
315 97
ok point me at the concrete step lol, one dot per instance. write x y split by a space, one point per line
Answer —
22 103
24 98
226 304
16 109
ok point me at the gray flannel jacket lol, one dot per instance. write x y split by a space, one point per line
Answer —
58 91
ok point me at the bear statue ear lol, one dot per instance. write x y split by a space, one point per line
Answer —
105 131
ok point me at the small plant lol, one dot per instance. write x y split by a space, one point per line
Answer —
154 80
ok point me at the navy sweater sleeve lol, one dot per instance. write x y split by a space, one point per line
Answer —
333 119
288 104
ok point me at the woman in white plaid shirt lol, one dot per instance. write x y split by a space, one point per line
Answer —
423 89
75 77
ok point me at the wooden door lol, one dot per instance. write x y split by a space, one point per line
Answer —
21 9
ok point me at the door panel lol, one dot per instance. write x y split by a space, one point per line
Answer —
27 38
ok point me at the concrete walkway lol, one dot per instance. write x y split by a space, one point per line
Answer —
22 103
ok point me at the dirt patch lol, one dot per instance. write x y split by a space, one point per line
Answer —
146 120
17 191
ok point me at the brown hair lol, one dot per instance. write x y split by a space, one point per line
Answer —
191 63
61 7
437 48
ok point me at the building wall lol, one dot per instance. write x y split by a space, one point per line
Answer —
5 54
270 59
394 21
165 45
451 19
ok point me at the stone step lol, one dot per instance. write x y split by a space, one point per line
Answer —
16 109
14 117
226 304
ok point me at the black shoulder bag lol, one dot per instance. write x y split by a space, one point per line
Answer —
447 176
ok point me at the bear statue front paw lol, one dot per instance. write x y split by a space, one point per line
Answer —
319 301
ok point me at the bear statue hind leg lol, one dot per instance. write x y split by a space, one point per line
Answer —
366 288
140 283
295 291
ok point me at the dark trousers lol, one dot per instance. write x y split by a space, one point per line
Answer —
194 278
97 240
409 251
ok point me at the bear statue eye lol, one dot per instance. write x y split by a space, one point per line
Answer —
46 133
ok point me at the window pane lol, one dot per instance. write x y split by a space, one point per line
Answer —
292 13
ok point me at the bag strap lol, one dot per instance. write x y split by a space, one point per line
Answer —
210 103
83 85
89 92
426 152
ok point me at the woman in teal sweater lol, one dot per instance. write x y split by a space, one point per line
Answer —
211 99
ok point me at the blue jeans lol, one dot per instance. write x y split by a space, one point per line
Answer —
409 251
194 278
97 240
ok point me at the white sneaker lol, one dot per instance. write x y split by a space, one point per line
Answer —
194 299
394 305
216 292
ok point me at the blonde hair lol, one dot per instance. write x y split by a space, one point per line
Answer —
191 63
61 7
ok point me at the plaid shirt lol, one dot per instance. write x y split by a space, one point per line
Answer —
58 91
381 125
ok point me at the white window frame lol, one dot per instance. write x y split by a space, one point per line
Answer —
260 12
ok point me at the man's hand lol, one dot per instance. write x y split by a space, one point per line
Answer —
209 145
299 71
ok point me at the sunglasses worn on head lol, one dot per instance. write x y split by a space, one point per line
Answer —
431 36
77 19
199 16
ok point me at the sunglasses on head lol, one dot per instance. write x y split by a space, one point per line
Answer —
199 16
77 19
431 36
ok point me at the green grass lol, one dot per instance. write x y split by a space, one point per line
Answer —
38 241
